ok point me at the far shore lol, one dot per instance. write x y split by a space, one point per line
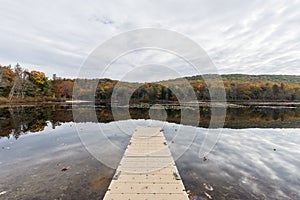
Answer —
170 104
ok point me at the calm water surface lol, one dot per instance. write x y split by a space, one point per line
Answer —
256 157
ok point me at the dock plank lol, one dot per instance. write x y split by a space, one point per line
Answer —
147 170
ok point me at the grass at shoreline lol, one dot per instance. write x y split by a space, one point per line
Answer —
6 101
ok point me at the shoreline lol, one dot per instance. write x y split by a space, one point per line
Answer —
229 104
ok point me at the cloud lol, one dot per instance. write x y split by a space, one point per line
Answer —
252 37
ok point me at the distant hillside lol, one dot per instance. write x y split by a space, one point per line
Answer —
238 87
252 87
288 79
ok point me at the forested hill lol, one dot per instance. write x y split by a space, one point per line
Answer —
238 87
287 79
253 87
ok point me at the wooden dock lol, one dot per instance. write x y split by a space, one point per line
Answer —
147 170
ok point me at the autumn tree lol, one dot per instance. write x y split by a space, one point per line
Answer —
21 83
6 80
63 88
40 83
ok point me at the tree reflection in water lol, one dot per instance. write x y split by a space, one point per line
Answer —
19 120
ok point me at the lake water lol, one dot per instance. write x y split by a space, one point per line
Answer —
257 155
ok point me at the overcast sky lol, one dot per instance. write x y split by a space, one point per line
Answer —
253 37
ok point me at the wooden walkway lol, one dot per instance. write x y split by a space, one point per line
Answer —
147 170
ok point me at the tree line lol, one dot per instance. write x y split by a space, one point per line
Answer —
237 88
18 83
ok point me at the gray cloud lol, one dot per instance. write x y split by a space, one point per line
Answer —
239 36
